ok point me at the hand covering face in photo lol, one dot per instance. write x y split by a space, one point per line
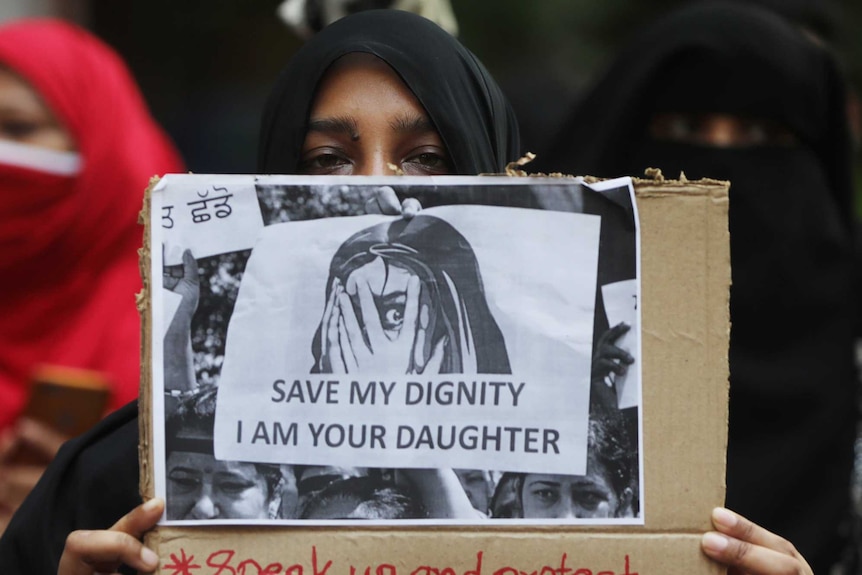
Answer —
456 331
727 91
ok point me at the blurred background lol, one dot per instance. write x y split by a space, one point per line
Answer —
205 66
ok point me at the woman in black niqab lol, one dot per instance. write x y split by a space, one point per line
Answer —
463 101
792 375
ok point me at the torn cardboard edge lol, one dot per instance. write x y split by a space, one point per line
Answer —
685 275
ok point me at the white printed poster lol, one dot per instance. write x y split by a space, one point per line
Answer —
476 363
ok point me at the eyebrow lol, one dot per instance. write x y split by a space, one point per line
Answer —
579 483
544 484
184 469
337 125
412 124
233 475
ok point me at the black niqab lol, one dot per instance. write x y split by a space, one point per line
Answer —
465 104
793 382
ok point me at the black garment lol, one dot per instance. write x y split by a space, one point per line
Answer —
793 382
464 102
91 483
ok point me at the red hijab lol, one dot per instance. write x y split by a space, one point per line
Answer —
67 296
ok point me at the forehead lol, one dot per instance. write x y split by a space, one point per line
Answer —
357 80
565 482
17 94
208 464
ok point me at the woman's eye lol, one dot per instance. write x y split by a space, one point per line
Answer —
758 133
431 160
430 163
589 499
546 496
323 163
184 483
393 317
234 487
18 129
681 127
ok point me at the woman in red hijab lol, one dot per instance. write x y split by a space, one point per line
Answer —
77 149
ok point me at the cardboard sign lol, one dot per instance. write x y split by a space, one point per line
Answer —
676 387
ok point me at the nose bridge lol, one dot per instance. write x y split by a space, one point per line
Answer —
566 506
205 505
376 159
722 130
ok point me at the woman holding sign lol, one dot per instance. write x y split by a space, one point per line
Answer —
426 106
414 98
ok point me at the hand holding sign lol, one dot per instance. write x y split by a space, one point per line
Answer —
385 201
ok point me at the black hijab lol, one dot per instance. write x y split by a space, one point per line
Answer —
465 104
793 385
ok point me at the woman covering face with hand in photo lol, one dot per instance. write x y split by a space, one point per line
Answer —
409 294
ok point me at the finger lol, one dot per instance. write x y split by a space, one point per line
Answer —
610 351
410 207
613 334
331 338
370 317
419 343
336 355
352 329
750 558
190 267
436 360
42 437
140 519
327 315
411 305
169 282
87 552
345 306
740 528
387 201
348 357
330 301
104 551
604 366
469 359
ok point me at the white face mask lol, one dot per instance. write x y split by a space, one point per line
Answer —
40 159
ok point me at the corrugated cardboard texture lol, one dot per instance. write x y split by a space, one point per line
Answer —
685 271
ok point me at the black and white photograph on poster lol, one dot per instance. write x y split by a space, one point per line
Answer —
476 363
